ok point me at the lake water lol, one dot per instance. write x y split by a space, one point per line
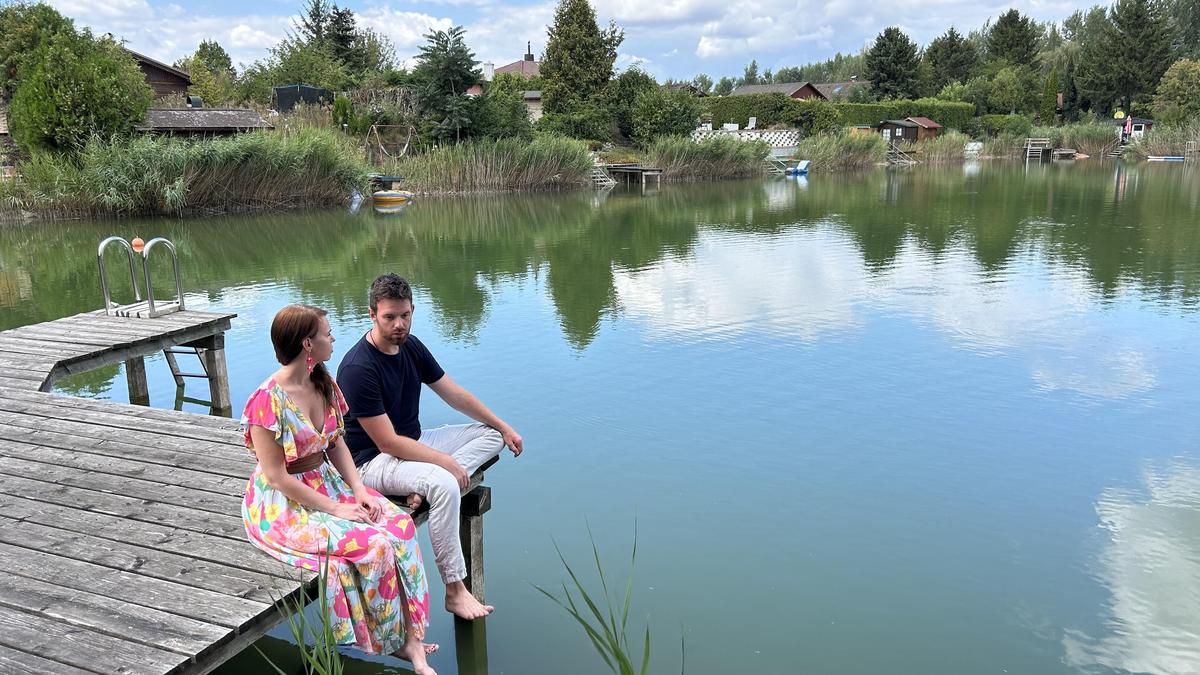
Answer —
931 421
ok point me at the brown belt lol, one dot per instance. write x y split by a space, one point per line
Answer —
306 463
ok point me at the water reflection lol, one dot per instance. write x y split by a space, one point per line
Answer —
1150 565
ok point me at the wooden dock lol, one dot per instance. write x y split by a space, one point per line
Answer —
120 526
634 173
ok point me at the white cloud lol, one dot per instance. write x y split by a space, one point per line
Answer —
405 29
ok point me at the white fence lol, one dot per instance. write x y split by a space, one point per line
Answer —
783 142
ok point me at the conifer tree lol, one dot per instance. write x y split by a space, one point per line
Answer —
1139 49
1049 102
951 58
724 86
579 57
446 68
891 65
750 73
1014 39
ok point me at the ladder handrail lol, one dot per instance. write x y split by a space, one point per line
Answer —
108 303
175 265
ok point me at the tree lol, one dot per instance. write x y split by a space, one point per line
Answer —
74 86
951 58
703 82
891 65
213 57
1185 15
579 57
955 91
1178 97
446 68
1092 77
23 27
750 73
314 22
622 94
724 86
661 113
501 110
1139 49
1006 95
213 77
1049 101
1013 39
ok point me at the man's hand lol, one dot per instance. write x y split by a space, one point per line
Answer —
460 474
513 440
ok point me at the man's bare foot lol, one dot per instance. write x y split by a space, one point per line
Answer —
414 501
415 652
462 604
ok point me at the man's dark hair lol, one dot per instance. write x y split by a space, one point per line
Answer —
390 286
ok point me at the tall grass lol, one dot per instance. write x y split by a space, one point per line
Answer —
714 158
842 151
1089 138
1004 146
947 147
497 165
607 630
1165 139
322 656
149 175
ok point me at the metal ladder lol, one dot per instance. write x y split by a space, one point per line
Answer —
139 309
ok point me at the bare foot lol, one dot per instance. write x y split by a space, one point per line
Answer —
414 501
415 653
462 604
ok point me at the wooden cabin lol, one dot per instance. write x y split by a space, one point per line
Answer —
927 129
909 129
168 82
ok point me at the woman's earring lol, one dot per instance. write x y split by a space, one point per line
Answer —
309 363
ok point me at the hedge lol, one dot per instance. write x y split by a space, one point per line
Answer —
770 109
817 116
952 114
1012 125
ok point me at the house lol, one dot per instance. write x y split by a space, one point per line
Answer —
797 90
910 129
840 91
168 82
201 121
685 86
527 67
533 105
1132 127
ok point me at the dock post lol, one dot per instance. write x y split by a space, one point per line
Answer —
135 376
470 532
213 355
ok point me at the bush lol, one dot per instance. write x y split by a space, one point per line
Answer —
1165 139
501 113
947 147
660 113
714 158
499 164
952 114
842 151
161 175
1011 125
23 27
810 116
587 121
73 87
622 94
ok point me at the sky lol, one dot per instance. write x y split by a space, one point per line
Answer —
667 38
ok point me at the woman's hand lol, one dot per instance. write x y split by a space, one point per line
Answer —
351 511
370 503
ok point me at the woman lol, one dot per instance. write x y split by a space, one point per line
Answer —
305 501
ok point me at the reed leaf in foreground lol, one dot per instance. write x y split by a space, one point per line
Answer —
606 628
322 657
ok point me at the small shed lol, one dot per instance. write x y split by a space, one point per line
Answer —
201 121
927 129
1132 127
861 129
168 82
898 130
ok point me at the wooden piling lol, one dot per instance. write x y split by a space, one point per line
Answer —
470 532
135 377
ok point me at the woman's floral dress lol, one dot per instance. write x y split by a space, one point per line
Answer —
367 562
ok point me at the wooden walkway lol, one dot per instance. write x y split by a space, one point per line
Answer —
120 530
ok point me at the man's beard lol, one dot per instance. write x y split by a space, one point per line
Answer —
395 341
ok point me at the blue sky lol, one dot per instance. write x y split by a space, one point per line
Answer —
668 38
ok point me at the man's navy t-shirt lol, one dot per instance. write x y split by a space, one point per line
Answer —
375 383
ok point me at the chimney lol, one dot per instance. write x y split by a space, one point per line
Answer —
489 71
528 52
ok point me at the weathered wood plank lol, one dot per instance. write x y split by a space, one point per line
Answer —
92 431
22 437
91 651
26 459
115 617
195 603
115 407
13 662
23 346
132 508
162 536
146 561
122 417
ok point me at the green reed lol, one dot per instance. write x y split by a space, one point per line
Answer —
505 164
842 151
714 158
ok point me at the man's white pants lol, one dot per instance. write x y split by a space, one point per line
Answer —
470 445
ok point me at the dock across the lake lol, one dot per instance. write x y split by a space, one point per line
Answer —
634 173
120 526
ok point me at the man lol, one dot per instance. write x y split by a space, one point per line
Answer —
381 378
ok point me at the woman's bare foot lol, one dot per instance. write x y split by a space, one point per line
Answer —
462 604
415 651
